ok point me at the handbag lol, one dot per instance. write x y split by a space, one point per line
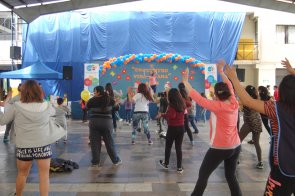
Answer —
56 131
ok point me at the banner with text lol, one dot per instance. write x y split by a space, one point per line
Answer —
91 76
131 75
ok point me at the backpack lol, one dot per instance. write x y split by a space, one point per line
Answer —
62 165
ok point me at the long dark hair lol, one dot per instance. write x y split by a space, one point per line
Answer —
104 95
222 91
251 90
175 100
263 93
143 89
182 90
287 93
110 90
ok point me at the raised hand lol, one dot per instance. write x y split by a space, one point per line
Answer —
185 80
230 72
185 75
288 66
220 64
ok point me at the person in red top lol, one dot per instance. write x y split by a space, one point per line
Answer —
276 93
281 180
175 119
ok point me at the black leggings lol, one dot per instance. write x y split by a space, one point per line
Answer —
265 123
211 161
187 128
174 133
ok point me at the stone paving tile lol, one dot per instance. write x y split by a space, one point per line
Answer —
140 173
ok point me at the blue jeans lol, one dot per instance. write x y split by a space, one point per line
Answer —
203 114
128 116
144 117
191 120
102 128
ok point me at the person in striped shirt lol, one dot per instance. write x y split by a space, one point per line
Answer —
281 180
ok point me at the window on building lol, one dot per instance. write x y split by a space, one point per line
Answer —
286 34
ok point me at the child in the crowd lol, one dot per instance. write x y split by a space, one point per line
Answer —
175 132
83 107
191 116
163 104
203 111
128 109
60 114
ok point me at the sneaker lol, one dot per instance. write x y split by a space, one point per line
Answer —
95 167
133 142
259 165
138 130
118 163
5 140
192 143
163 164
120 120
251 142
150 142
180 170
196 132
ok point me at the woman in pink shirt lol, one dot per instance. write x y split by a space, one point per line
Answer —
153 80
224 138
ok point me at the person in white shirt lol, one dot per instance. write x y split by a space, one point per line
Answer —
141 111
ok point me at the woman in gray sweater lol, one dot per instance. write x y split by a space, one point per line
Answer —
32 134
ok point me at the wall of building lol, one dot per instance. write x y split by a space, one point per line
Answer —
271 52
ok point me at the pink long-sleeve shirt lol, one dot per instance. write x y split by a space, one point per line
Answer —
223 120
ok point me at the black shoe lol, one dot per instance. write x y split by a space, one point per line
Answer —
163 164
180 170
251 142
138 130
259 165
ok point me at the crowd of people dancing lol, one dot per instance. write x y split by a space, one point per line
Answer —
27 114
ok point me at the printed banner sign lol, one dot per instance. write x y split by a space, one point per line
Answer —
210 78
91 76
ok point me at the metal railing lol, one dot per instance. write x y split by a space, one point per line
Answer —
247 51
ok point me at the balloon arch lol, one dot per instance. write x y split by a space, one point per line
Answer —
159 58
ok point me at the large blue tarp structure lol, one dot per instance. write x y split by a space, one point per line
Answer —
75 38
38 71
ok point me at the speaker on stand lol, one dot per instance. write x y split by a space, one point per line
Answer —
68 75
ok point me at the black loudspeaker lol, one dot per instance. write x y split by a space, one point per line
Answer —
15 52
67 72
241 74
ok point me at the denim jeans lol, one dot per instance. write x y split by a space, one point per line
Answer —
101 128
191 120
128 116
144 117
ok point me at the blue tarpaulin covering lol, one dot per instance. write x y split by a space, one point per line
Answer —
37 71
75 38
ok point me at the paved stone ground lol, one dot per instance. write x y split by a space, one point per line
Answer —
140 173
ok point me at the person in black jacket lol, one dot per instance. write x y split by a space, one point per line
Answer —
101 126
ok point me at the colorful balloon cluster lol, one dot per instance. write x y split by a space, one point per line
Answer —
159 58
